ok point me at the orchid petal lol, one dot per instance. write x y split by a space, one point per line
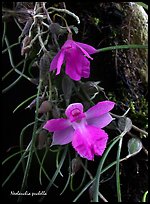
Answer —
68 44
81 145
60 62
89 140
56 124
100 121
99 109
63 137
54 62
83 66
72 65
100 145
83 51
57 62
88 48
77 65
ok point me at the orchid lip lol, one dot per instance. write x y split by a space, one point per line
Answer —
75 112
77 115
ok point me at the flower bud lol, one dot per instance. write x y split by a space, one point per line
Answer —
45 107
67 86
42 139
75 165
55 28
91 192
44 65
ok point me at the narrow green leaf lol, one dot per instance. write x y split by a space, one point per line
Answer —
100 166
22 103
56 172
131 46
118 171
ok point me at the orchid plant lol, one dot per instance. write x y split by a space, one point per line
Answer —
68 118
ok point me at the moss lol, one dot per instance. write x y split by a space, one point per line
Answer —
140 115
138 109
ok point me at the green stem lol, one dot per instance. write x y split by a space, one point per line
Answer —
21 104
117 170
42 168
131 46
56 172
11 156
57 158
84 189
15 168
34 134
11 60
10 71
87 171
102 197
21 142
16 81
5 50
69 175
4 32
83 178
13 66
104 170
99 169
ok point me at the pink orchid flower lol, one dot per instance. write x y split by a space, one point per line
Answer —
83 129
75 55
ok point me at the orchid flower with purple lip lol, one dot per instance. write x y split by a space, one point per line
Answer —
75 55
83 129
